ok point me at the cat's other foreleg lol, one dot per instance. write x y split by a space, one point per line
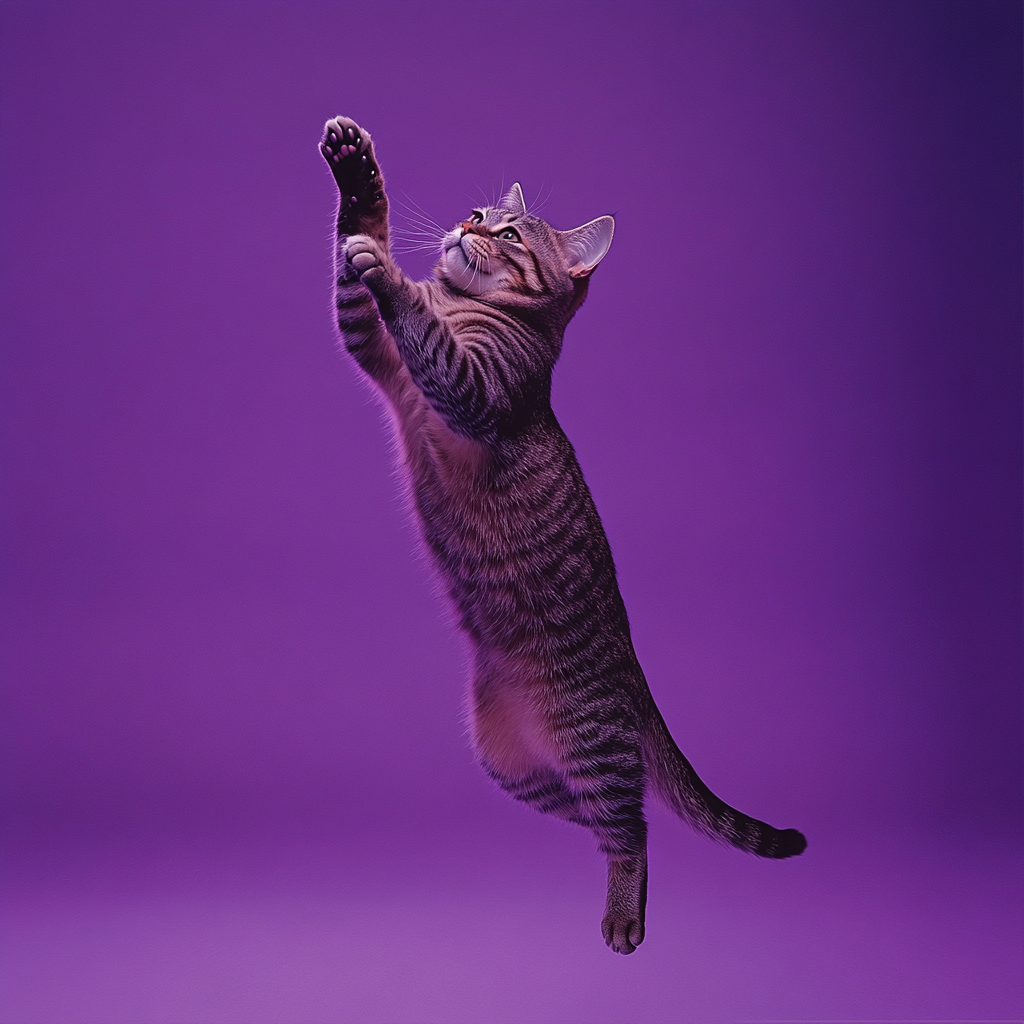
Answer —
458 379
363 332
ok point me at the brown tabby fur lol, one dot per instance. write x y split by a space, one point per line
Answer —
561 714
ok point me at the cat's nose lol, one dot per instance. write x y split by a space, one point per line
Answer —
469 228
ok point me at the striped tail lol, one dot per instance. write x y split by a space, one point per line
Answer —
673 779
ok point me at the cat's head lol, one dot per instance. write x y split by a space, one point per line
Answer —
504 255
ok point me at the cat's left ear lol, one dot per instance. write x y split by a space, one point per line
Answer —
587 245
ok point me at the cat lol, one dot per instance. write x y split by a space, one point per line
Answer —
560 713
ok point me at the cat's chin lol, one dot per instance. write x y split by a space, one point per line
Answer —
456 271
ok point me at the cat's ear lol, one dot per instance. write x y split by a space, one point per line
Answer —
587 245
513 201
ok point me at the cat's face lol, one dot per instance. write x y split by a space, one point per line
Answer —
504 251
494 250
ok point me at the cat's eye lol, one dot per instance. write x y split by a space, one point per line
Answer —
510 235
477 218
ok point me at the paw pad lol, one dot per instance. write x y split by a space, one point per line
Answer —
343 138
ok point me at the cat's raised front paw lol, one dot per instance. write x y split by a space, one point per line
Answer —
343 139
348 150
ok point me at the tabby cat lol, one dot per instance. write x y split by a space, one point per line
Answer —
561 716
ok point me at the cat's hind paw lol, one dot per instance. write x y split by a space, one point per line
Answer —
623 924
621 933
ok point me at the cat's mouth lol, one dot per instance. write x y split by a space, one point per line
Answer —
466 264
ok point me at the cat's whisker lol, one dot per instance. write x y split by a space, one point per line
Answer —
428 236
403 249
416 212
426 241
419 236
411 245
483 198
410 204
416 220
423 223
414 231
421 226
533 211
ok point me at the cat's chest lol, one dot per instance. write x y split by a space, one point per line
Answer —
463 481
497 509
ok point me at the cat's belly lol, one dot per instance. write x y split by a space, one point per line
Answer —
510 716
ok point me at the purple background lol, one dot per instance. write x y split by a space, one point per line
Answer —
236 785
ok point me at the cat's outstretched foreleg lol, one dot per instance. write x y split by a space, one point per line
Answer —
362 210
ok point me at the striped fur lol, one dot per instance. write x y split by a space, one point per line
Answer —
561 715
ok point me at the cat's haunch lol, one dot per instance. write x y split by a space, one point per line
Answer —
561 714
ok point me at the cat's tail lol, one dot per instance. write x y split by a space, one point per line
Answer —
673 779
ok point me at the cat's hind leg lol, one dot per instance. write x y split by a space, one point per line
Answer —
622 835
626 905
590 773
603 766
613 810
543 789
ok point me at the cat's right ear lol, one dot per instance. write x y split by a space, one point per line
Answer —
513 201
587 245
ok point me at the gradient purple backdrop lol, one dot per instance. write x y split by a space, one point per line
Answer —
235 781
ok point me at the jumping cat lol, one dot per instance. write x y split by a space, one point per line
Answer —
561 716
